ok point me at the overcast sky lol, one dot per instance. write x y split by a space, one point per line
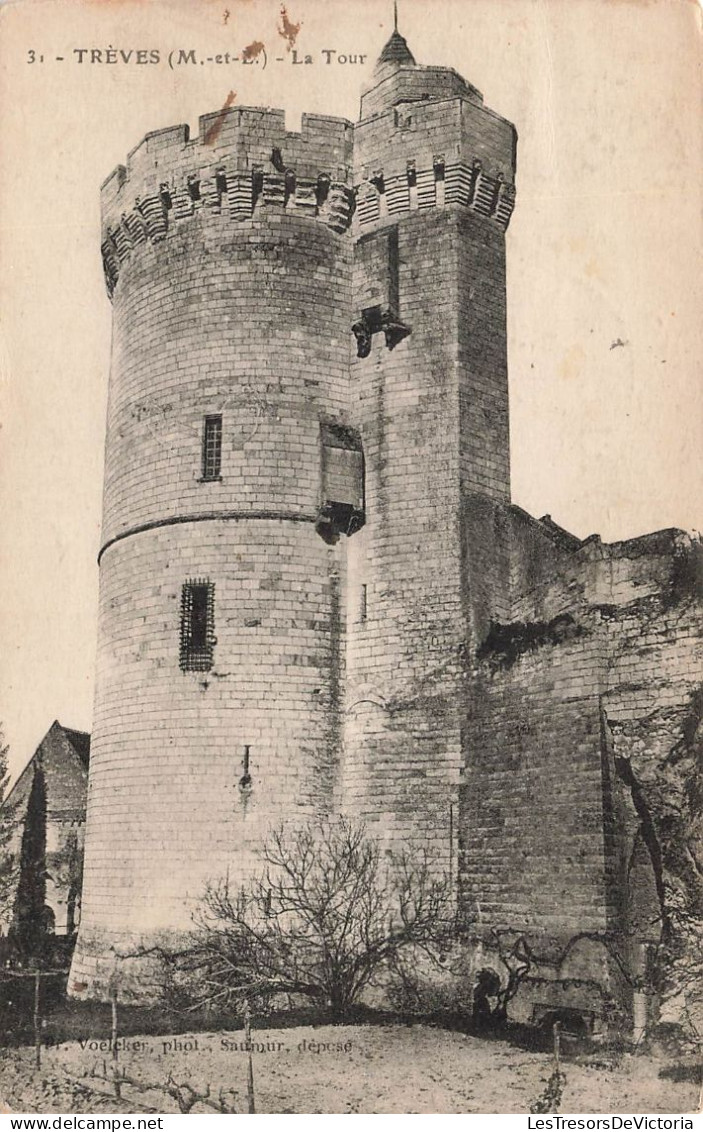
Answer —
603 262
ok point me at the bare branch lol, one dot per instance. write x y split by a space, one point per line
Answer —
326 916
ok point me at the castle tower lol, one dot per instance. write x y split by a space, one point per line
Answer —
315 595
435 174
308 391
229 459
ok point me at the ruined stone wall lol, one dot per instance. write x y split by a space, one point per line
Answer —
534 852
651 707
573 806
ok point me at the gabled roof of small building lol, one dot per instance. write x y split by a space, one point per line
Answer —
80 741
64 754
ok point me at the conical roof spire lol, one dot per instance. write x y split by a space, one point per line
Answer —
396 50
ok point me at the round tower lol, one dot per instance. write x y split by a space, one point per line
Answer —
231 468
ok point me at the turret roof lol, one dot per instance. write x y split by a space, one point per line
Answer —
397 51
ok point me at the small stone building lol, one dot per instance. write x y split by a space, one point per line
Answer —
62 758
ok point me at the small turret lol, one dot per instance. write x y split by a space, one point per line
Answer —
396 53
398 78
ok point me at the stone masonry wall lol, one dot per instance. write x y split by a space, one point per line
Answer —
393 85
532 820
405 626
411 595
426 155
169 808
652 706
578 806
435 191
261 337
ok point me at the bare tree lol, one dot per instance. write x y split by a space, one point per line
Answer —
517 959
330 913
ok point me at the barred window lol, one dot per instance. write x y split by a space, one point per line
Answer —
197 625
212 448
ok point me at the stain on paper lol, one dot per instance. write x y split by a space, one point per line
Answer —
288 30
214 130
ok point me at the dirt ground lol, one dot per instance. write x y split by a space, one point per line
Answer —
336 1069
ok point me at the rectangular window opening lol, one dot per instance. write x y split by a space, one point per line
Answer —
342 503
363 603
212 448
197 625
221 187
245 780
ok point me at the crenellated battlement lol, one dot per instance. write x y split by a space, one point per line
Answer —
235 197
420 155
439 184
248 133
242 160
413 155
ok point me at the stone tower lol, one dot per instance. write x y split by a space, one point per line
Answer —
297 402
435 170
316 596
228 260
